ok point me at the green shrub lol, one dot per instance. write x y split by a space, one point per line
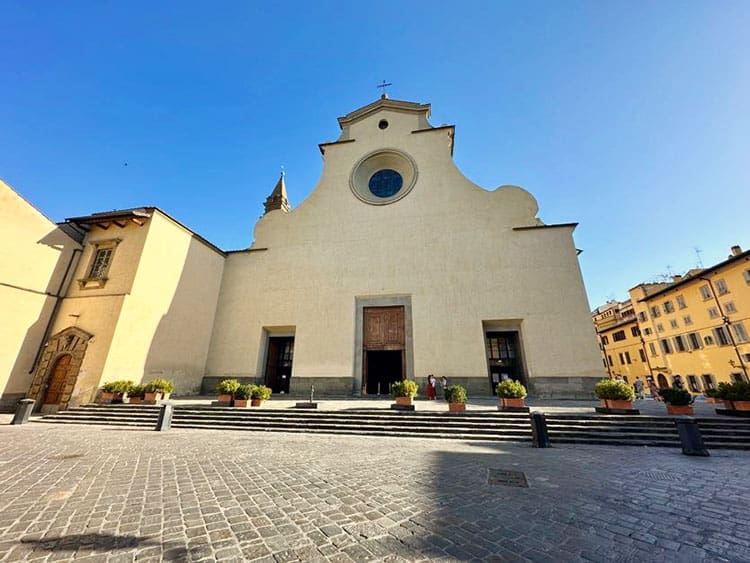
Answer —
722 390
119 386
676 397
227 386
159 386
260 392
510 389
137 391
712 393
404 388
737 391
614 390
244 392
455 394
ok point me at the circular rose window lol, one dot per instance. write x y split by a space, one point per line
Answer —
383 177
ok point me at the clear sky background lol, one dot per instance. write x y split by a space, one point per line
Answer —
631 118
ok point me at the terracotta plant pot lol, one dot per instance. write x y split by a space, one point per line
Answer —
456 407
151 396
225 399
513 402
712 400
603 403
619 404
403 400
680 409
741 405
106 397
240 403
728 405
136 400
256 402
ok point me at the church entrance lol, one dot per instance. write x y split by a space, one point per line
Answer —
56 380
279 363
384 345
503 357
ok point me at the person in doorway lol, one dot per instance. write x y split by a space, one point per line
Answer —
431 383
443 385
677 382
638 387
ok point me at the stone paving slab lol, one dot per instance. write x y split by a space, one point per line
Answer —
112 494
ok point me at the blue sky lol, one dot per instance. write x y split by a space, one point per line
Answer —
631 118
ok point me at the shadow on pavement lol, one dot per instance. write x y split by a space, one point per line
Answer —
95 542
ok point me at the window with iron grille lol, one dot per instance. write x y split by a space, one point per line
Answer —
708 381
705 292
693 382
681 301
100 263
668 307
721 287
722 337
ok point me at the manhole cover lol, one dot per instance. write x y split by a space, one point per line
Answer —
507 478
661 476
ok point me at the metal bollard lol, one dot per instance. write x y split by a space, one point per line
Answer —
23 411
690 436
540 436
165 417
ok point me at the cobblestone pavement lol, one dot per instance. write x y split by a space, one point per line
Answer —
104 494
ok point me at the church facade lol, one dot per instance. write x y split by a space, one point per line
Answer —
395 266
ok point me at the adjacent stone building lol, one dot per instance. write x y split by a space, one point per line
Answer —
395 266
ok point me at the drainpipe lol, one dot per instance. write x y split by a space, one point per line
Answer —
55 309
727 324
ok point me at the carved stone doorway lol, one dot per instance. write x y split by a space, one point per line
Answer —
57 380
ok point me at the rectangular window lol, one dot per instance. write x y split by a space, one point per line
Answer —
693 382
694 340
729 307
100 263
605 340
687 320
642 354
635 331
642 316
668 307
708 381
679 343
660 328
618 336
737 377
655 312
681 302
722 337
721 287
627 357
622 360
646 331
673 323
713 312
611 363
746 275
652 348
705 292
740 333
666 347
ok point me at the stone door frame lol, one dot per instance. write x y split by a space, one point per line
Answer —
70 341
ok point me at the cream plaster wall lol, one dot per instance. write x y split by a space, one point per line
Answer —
34 257
449 244
166 321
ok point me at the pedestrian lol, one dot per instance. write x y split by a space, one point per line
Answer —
653 389
638 386
431 382
443 385
677 382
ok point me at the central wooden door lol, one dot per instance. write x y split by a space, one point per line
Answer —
56 380
384 345
279 363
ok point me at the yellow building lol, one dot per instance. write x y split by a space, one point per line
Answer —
620 341
697 329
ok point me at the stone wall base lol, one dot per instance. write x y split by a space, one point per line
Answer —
563 387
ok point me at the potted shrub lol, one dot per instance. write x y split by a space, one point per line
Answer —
136 394
108 392
712 395
455 395
226 388
258 394
404 391
158 389
722 393
243 395
122 390
738 394
615 394
511 393
678 401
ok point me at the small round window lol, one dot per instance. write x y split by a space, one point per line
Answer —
385 183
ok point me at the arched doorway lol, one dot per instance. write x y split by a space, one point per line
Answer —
56 381
663 384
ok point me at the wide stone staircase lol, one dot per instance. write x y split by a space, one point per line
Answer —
718 432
